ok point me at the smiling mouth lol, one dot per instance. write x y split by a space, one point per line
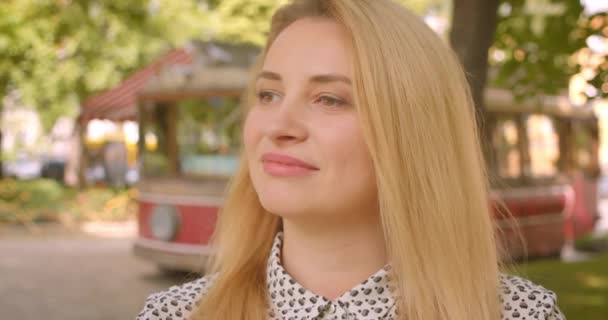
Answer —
286 166
285 170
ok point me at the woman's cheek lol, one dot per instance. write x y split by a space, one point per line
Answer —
251 132
344 139
350 150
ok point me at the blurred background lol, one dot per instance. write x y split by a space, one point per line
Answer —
120 128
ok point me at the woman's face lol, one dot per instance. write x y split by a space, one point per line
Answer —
303 141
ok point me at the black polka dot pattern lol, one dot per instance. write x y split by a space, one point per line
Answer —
373 299
522 299
177 302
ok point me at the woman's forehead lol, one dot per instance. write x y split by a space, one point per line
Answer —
310 46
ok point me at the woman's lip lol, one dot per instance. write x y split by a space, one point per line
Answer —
285 160
278 169
281 165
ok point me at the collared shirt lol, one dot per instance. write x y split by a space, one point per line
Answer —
373 299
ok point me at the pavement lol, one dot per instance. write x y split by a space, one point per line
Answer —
53 272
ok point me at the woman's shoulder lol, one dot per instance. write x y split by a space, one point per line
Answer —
522 298
177 302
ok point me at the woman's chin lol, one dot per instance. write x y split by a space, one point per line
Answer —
287 208
282 207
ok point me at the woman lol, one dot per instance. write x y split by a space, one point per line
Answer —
360 193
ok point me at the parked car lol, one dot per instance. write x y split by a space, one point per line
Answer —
23 168
53 169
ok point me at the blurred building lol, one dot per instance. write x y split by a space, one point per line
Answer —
108 129
21 127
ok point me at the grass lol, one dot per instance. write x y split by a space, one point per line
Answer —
593 243
581 288
43 200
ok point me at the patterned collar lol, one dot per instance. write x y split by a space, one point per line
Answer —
373 299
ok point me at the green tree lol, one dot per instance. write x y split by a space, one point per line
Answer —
241 21
249 21
591 80
530 41
534 42
57 52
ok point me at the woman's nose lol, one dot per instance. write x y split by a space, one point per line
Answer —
287 125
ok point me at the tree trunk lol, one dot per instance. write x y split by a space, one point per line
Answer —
1 153
82 156
473 27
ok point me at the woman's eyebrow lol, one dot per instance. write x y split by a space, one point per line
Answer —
331 77
269 75
320 78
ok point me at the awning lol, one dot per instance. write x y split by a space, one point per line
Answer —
120 102
217 69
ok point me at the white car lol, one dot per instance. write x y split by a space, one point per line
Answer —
23 168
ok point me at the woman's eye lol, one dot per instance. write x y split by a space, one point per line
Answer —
266 97
330 102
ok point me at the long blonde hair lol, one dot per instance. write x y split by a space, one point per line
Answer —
419 123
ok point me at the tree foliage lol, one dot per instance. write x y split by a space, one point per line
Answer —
242 21
56 52
533 44
248 21
591 81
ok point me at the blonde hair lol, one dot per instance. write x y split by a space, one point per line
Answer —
419 123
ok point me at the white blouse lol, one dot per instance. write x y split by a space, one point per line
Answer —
373 299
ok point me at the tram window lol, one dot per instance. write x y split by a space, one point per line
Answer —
155 145
543 146
584 157
208 136
505 142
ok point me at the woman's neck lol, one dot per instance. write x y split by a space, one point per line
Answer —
331 257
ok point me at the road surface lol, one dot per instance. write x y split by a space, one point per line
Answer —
57 274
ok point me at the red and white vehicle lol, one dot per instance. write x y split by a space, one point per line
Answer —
546 172
189 134
189 119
